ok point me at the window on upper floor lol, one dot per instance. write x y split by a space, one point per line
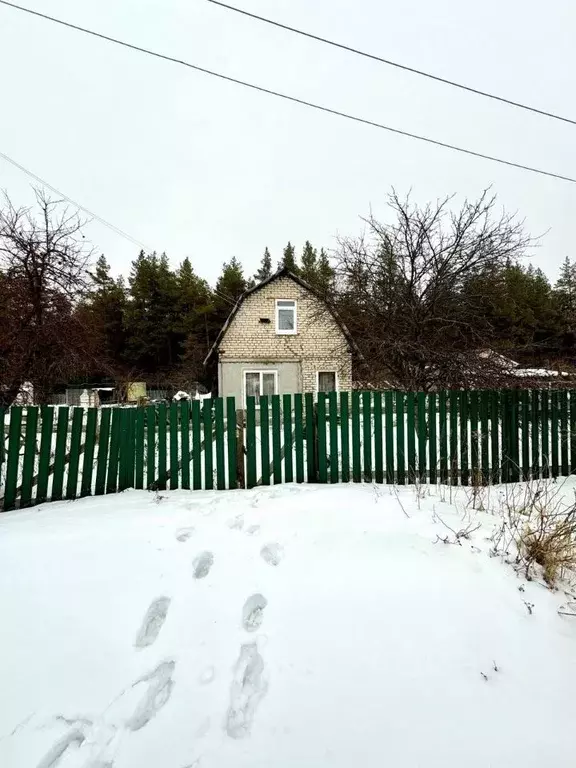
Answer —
286 321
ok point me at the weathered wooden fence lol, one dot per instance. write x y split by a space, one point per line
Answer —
457 437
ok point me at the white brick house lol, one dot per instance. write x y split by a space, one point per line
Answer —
282 338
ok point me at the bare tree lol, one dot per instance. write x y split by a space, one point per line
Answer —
401 290
43 269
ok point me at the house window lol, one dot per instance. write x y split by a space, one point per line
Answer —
258 383
327 381
286 316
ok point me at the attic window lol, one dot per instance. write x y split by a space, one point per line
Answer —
286 316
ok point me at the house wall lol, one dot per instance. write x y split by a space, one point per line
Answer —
232 377
319 344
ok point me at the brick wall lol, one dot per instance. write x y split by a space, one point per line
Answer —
319 344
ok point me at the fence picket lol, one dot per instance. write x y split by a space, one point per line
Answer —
89 448
554 431
400 442
219 438
102 465
464 431
443 428
535 434
345 436
113 458
545 412
276 440
321 438
564 434
356 445
196 446
495 443
251 471
151 415
454 473
389 440
29 457
367 435
265 439
525 410
572 422
411 437
13 463
174 429
432 438
474 439
422 435
288 440
484 435
47 415
299 438
208 445
161 442
333 422
231 428
60 454
74 461
310 435
185 443
378 441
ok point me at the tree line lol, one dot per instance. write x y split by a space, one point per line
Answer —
422 294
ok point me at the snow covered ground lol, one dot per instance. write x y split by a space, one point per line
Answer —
290 626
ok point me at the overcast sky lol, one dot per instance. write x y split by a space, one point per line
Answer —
198 167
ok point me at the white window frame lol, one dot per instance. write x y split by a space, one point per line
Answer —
336 381
278 308
260 371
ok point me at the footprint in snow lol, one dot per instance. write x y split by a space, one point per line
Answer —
202 564
184 534
253 612
253 530
248 688
273 553
236 523
160 684
152 622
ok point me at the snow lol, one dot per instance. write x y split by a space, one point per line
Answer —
295 625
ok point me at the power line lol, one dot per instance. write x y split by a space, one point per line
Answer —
95 216
396 64
293 99
90 213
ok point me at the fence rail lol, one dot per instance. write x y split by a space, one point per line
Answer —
456 437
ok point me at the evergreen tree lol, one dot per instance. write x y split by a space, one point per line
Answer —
289 259
326 275
231 284
565 294
150 320
265 270
103 312
309 269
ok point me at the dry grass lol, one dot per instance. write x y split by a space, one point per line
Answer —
540 526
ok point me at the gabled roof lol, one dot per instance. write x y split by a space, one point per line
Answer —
276 276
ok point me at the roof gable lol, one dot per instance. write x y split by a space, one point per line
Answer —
298 280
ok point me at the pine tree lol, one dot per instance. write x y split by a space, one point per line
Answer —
151 317
231 284
565 294
326 275
289 259
103 309
265 270
309 269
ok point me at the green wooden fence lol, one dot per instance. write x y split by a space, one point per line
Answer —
460 438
